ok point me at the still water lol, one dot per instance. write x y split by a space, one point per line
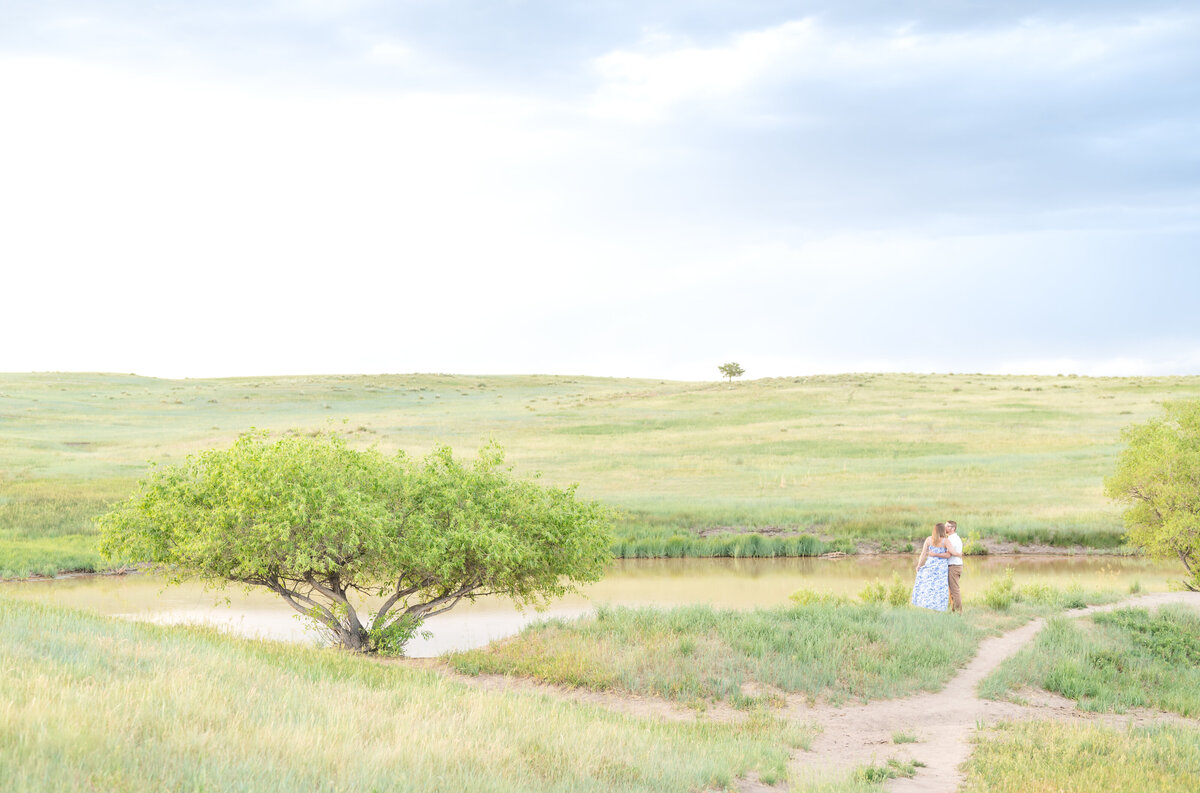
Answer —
727 583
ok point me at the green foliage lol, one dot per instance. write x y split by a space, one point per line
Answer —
731 370
810 597
1158 476
651 543
1002 592
893 768
316 522
894 593
1168 636
973 544
394 635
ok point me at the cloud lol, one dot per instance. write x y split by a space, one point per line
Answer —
621 189
649 83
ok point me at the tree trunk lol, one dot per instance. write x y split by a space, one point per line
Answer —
352 640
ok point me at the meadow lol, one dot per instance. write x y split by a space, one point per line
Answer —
698 655
1071 758
803 465
822 647
1112 662
94 704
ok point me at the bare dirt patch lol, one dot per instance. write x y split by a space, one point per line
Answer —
766 531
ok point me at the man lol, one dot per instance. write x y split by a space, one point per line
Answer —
954 569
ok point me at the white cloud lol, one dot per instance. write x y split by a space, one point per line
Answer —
1169 362
646 84
389 52
178 226
642 86
135 204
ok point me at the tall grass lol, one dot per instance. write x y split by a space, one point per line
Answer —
1112 662
1071 758
93 704
27 556
660 544
697 654
824 645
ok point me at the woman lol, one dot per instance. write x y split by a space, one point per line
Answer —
931 590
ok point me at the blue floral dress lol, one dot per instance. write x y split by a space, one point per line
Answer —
932 590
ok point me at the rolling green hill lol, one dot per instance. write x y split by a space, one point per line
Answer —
848 458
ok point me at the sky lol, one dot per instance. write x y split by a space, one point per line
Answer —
643 189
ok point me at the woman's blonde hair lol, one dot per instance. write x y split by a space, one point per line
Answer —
939 531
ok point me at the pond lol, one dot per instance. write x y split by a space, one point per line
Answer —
727 583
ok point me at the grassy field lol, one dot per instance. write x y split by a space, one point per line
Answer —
1040 757
845 458
823 647
94 704
1112 662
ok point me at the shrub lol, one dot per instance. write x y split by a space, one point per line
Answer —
1039 593
1001 593
810 597
973 545
894 593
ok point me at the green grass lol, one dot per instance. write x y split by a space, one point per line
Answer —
1112 662
92 704
649 542
696 654
1037 757
892 769
26 556
848 783
843 459
824 646
864 779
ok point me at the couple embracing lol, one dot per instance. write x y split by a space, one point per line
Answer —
938 569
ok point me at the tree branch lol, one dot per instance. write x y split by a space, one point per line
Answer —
338 595
291 596
432 607
380 617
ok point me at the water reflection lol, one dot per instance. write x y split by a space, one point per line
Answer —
729 583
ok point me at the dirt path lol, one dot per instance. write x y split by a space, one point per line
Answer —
859 735
943 723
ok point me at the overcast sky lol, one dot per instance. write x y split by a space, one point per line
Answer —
639 188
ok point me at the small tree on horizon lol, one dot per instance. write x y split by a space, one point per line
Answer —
323 525
731 370
1158 475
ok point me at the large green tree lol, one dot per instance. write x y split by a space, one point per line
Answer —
329 528
1158 476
